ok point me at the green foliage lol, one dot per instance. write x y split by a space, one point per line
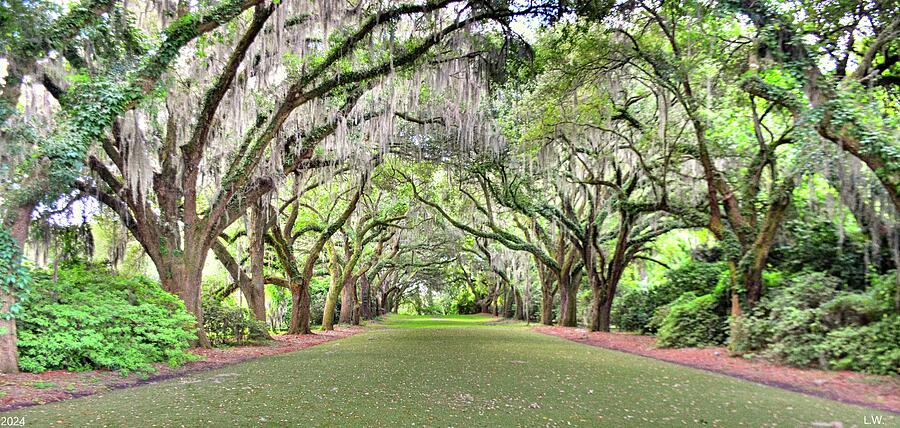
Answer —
226 324
748 334
318 290
793 333
815 245
632 310
810 324
874 348
848 309
464 303
645 311
14 278
90 318
693 276
884 291
656 321
692 321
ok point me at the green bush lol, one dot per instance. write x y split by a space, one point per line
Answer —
692 321
795 338
465 303
874 348
226 324
809 323
814 244
884 291
90 318
787 322
848 309
749 334
807 290
645 311
697 277
632 310
659 316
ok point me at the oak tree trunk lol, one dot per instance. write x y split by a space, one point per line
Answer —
182 276
9 356
365 307
9 352
547 297
256 295
520 306
299 308
568 302
348 300
507 302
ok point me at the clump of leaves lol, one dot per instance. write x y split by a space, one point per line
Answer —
692 321
225 324
90 318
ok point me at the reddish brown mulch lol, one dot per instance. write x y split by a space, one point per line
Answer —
29 389
881 392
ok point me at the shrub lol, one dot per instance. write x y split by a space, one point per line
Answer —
697 277
874 348
225 324
884 291
795 338
848 309
90 318
465 303
814 244
656 321
632 311
692 321
787 323
749 334
810 324
807 290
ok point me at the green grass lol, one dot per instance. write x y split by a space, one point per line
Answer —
448 373
442 321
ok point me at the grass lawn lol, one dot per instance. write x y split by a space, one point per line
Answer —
454 371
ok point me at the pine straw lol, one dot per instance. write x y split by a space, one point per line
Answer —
29 389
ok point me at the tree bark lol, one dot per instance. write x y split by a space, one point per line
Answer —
547 297
520 306
348 300
365 306
507 302
182 276
256 298
759 251
9 351
334 290
568 301
299 309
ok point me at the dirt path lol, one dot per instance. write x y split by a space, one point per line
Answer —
881 392
29 389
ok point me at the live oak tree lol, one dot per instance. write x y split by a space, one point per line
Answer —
60 155
191 217
373 224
